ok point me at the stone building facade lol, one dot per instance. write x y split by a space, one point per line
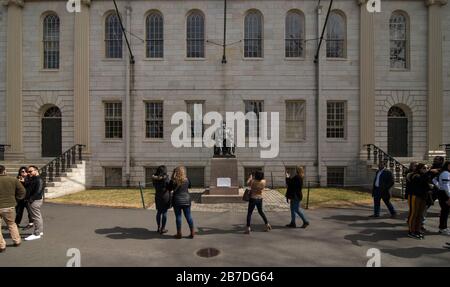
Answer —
363 82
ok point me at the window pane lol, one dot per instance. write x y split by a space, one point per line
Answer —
154 120
336 33
295 119
195 35
113 37
51 42
113 176
190 111
398 41
155 36
336 120
294 35
256 107
253 35
113 120
335 176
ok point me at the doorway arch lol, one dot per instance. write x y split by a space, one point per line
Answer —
51 132
398 132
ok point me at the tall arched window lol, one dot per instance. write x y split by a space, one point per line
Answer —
398 29
253 35
155 35
195 35
51 41
336 35
294 38
113 37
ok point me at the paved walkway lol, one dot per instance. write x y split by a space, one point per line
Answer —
126 237
273 201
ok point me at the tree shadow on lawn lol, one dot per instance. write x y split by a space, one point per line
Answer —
415 252
131 233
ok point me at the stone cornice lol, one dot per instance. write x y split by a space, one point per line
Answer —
18 3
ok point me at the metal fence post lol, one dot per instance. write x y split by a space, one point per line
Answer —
142 195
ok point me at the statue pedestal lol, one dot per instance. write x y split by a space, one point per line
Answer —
224 186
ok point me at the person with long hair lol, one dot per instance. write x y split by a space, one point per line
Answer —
257 184
162 197
294 196
444 198
420 189
181 200
22 204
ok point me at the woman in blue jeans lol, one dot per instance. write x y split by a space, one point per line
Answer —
162 197
294 196
257 184
181 200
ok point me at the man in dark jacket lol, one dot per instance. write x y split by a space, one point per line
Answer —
382 184
10 190
36 194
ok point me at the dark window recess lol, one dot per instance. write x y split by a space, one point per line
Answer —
335 176
113 176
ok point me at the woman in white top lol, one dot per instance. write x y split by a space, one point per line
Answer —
444 198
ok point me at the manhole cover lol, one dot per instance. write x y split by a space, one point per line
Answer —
208 252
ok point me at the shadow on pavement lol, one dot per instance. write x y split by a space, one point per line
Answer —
131 233
414 252
375 235
377 224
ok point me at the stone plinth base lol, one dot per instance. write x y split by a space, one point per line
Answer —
222 198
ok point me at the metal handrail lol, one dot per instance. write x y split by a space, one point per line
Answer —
58 165
380 155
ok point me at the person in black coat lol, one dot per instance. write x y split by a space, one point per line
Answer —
382 184
22 204
181 200
35 200
162 197
294 196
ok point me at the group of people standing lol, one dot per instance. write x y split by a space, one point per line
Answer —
17 194
424 185
174 192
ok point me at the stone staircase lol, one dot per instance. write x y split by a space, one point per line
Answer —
71 181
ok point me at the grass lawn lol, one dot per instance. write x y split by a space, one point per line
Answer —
334 197
121 198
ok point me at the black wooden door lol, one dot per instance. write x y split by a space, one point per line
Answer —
51 137
398 137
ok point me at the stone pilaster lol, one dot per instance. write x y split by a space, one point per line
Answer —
14 131
81 76
367 76
435 85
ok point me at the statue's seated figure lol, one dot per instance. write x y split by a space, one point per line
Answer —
224 142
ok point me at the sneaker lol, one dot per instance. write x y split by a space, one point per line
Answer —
268 227
247 230
33 237
291 225
444 231
374 216
162 231
305 225
414 235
